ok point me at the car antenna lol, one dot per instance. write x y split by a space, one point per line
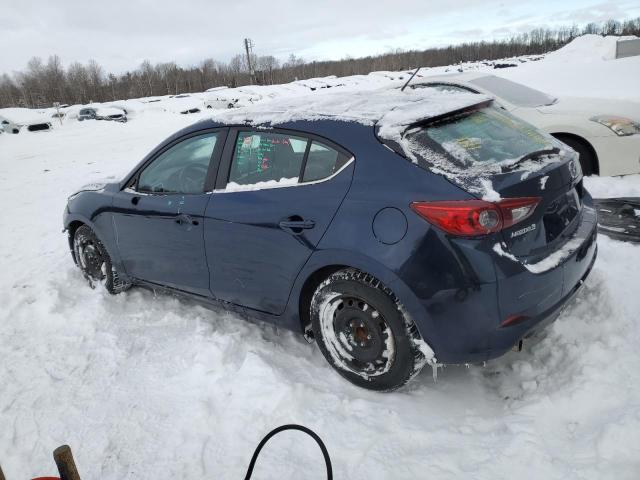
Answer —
410 78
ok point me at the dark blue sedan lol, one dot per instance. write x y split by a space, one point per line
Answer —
396 239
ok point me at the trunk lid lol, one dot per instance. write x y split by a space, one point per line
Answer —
558 185
495 157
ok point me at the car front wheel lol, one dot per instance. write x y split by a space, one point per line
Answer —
362 332
94 261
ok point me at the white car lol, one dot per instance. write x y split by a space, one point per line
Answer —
606 133
15 120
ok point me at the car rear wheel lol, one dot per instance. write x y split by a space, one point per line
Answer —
94 261
362 332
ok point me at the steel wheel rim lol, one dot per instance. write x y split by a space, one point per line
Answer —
90 258
357 336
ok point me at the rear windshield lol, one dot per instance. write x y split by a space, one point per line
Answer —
513 92
480 137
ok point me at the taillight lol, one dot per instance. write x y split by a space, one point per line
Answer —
476 217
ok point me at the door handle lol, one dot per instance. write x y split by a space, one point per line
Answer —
135 200
296 225
184 219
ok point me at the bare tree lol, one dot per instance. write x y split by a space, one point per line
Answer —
40 84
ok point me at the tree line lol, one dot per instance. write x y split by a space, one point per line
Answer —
43 83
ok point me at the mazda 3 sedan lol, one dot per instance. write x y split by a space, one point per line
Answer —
397 230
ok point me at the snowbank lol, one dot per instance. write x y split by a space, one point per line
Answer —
582 68
587 48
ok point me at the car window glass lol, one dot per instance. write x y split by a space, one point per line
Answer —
513 92
266 157
181 169
487 135
322 162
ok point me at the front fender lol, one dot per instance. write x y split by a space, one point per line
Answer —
102 225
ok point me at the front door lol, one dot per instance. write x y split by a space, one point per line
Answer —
158 219
279 193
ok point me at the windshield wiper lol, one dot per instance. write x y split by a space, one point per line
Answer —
531 156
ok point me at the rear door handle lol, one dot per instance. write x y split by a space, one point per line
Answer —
295 226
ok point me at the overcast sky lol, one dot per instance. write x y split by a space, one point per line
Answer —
120 34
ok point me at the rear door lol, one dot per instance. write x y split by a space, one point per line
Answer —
276 193
158 218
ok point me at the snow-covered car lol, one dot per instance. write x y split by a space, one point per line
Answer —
102 113
606 133
483 232
16 120
233 98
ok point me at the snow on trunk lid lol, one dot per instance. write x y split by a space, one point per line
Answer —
559 188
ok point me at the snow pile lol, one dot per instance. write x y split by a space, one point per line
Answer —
587 48
108 111
582 69
23 116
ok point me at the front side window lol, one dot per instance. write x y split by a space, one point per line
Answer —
267 159
181 169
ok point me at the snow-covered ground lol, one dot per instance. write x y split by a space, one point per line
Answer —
145 386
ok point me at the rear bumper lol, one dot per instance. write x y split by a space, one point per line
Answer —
549 291
504 338
463 310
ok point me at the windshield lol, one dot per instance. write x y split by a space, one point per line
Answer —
485 136
514 93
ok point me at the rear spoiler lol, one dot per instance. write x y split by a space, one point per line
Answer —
436 118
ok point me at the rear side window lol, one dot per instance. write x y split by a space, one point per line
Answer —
262 157
267 159
322 162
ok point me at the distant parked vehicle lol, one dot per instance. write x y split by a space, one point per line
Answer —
16 120
233 98
102 113
87 114
605 133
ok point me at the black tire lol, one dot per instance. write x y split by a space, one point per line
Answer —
94 261
588 161
362 332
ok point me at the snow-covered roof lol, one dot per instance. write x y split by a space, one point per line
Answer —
23 116
108 111
389 108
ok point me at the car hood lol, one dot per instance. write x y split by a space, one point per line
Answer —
108 111
96 186
590 107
